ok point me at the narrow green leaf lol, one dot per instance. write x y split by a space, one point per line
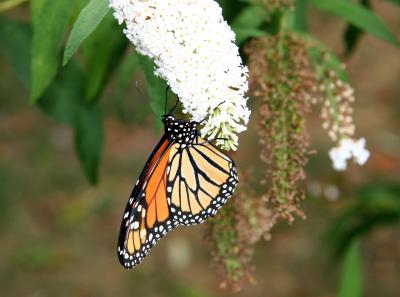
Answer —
358 16
246 24
88 20
15 43
48 35
353 34
103 52
89 138
156 89
352 283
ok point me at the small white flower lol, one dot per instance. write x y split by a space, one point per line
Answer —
194 51
339 157
360 154
348 149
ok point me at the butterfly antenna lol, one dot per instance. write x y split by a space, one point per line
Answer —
175 106
166 99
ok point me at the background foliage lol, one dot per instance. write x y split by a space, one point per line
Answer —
68 60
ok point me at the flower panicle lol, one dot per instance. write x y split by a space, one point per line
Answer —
194 51
281 74
337 98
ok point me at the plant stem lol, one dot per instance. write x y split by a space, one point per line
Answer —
10 4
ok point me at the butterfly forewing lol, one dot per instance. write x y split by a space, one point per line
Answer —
147 216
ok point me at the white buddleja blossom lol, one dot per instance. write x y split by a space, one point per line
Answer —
349 149
194 51
337 114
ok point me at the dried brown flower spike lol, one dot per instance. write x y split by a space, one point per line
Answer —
282 75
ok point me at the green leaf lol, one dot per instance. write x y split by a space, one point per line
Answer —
396 2
15 43
352 283
156 89
230 9
353 34
63 102
35 8
88 20
358 16
89 138
124 79
48 34
246 24
376 205
103 51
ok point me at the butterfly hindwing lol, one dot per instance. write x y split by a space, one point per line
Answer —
200 181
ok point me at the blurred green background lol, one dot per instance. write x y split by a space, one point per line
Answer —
59 232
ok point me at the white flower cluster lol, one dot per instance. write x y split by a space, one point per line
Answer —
194 51
349 148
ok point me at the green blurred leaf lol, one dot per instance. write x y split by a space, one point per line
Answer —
103 51
48 34
156 89
358 16
124 79
246 24
64 103
35 8
352 283
63 98
377 205
15 43
243 34
230 9
353 34
396 1
88 20
89 138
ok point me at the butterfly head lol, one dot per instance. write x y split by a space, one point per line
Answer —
181 131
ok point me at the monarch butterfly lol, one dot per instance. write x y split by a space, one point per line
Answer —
185 180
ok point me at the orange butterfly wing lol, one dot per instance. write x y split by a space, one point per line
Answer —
147 215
